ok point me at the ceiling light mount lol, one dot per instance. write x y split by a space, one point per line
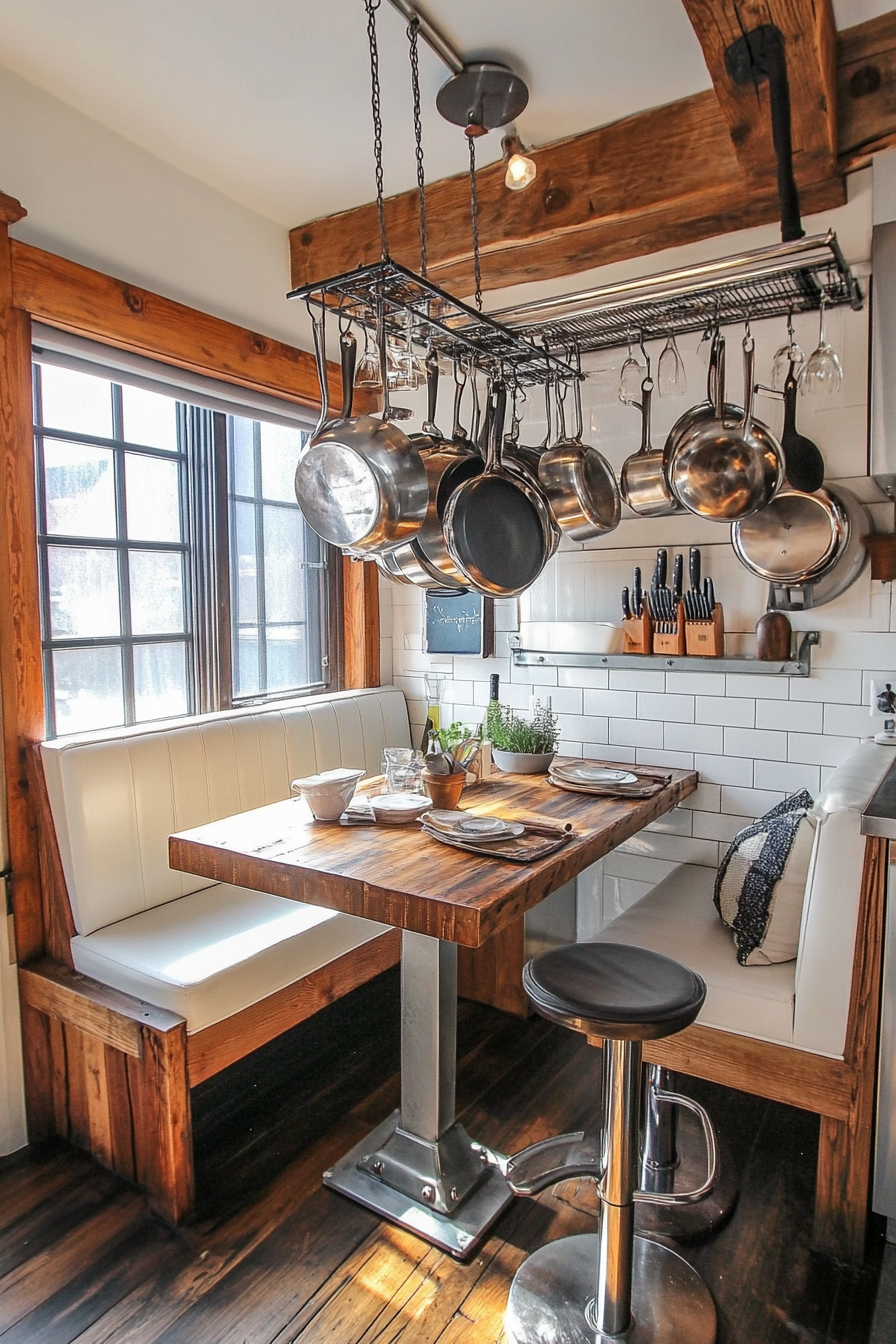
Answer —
483 96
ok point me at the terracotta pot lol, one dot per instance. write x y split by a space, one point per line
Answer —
444 790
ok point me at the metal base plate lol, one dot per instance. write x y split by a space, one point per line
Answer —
459 1233
552 1289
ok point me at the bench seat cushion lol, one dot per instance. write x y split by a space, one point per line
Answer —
678 918
216 951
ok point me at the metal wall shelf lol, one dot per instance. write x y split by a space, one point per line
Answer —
799 665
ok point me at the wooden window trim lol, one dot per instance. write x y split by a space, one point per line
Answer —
37 285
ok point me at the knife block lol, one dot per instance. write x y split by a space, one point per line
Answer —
706 639
672 642
638 634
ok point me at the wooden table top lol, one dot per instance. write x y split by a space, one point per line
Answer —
398 875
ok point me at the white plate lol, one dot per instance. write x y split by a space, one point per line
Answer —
593 774
465 826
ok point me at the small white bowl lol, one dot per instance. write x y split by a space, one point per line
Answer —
329 793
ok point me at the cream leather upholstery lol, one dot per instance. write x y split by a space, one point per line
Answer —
802 1003
204 950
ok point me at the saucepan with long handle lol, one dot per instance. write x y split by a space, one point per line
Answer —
642 481
579 482
360 482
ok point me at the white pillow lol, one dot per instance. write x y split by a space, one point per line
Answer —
761 882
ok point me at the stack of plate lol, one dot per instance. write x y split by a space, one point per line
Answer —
464 827
586 776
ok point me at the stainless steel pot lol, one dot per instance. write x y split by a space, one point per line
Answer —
360 482
498 527
802 540
726 467
578 482
642 481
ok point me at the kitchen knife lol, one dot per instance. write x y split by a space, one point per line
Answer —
677 578
662 559
626 609
710 598
694 569
637 594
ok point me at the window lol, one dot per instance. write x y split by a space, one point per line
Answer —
177 573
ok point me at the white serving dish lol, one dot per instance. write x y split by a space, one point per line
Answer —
394 809
329 793
592 774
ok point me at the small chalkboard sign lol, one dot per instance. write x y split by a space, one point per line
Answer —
459 623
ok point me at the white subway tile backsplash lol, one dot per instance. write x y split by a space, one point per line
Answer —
695 683
693 737
613 752
675 708
592 678
786 775
750 802
729 710
639 868
584 727
619 894
564 699
625 679
718 826
676 760
621 704
677 822
789 716
724 769
568 748
706 797
756 742
534 676
818 749
846 649
830 684
851 721
636 733
758 687
680 848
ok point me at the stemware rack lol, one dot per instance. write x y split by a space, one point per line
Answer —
767 282
412 304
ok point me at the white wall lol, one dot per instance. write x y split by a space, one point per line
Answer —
98 199
752 739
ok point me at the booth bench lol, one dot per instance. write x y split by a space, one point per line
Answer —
156 980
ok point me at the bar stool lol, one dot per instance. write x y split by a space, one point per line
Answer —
611 1285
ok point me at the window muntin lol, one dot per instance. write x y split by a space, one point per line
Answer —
128 593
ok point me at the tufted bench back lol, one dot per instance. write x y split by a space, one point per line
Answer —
117 795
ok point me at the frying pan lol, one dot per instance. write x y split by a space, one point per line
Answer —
497 526
642 481
360 482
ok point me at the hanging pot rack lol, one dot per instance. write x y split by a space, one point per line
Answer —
768 282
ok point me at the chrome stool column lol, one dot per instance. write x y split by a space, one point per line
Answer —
612 1285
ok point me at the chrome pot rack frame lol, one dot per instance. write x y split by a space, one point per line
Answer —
768 282
436 319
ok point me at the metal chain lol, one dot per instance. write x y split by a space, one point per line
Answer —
475 222
371 7
413 30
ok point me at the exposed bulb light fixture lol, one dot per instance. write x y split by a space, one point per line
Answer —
521 170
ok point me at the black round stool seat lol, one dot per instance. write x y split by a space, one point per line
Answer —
613 990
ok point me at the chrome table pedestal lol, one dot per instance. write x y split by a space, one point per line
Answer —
420 1168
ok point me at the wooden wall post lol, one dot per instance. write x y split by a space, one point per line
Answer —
361 623
20 651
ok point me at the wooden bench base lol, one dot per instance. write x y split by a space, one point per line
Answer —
112 1074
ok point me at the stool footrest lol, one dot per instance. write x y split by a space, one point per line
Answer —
563 1157
712 1156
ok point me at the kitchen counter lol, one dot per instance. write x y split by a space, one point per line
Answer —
879 817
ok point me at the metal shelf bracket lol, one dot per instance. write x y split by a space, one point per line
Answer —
798 665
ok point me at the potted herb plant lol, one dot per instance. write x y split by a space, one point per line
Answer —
521 746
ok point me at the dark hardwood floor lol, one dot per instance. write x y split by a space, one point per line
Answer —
273 1258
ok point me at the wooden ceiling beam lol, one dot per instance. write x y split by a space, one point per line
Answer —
664 177
810 44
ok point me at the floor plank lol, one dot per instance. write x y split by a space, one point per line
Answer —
273 1258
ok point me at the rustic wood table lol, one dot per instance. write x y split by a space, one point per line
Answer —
420 1168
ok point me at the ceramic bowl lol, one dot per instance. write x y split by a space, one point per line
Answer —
329 793
523 762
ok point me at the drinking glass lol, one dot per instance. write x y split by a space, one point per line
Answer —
631 376
671 378
403 770
400 365
790 352
823 372
368 370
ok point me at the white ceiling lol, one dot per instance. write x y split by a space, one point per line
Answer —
269 102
